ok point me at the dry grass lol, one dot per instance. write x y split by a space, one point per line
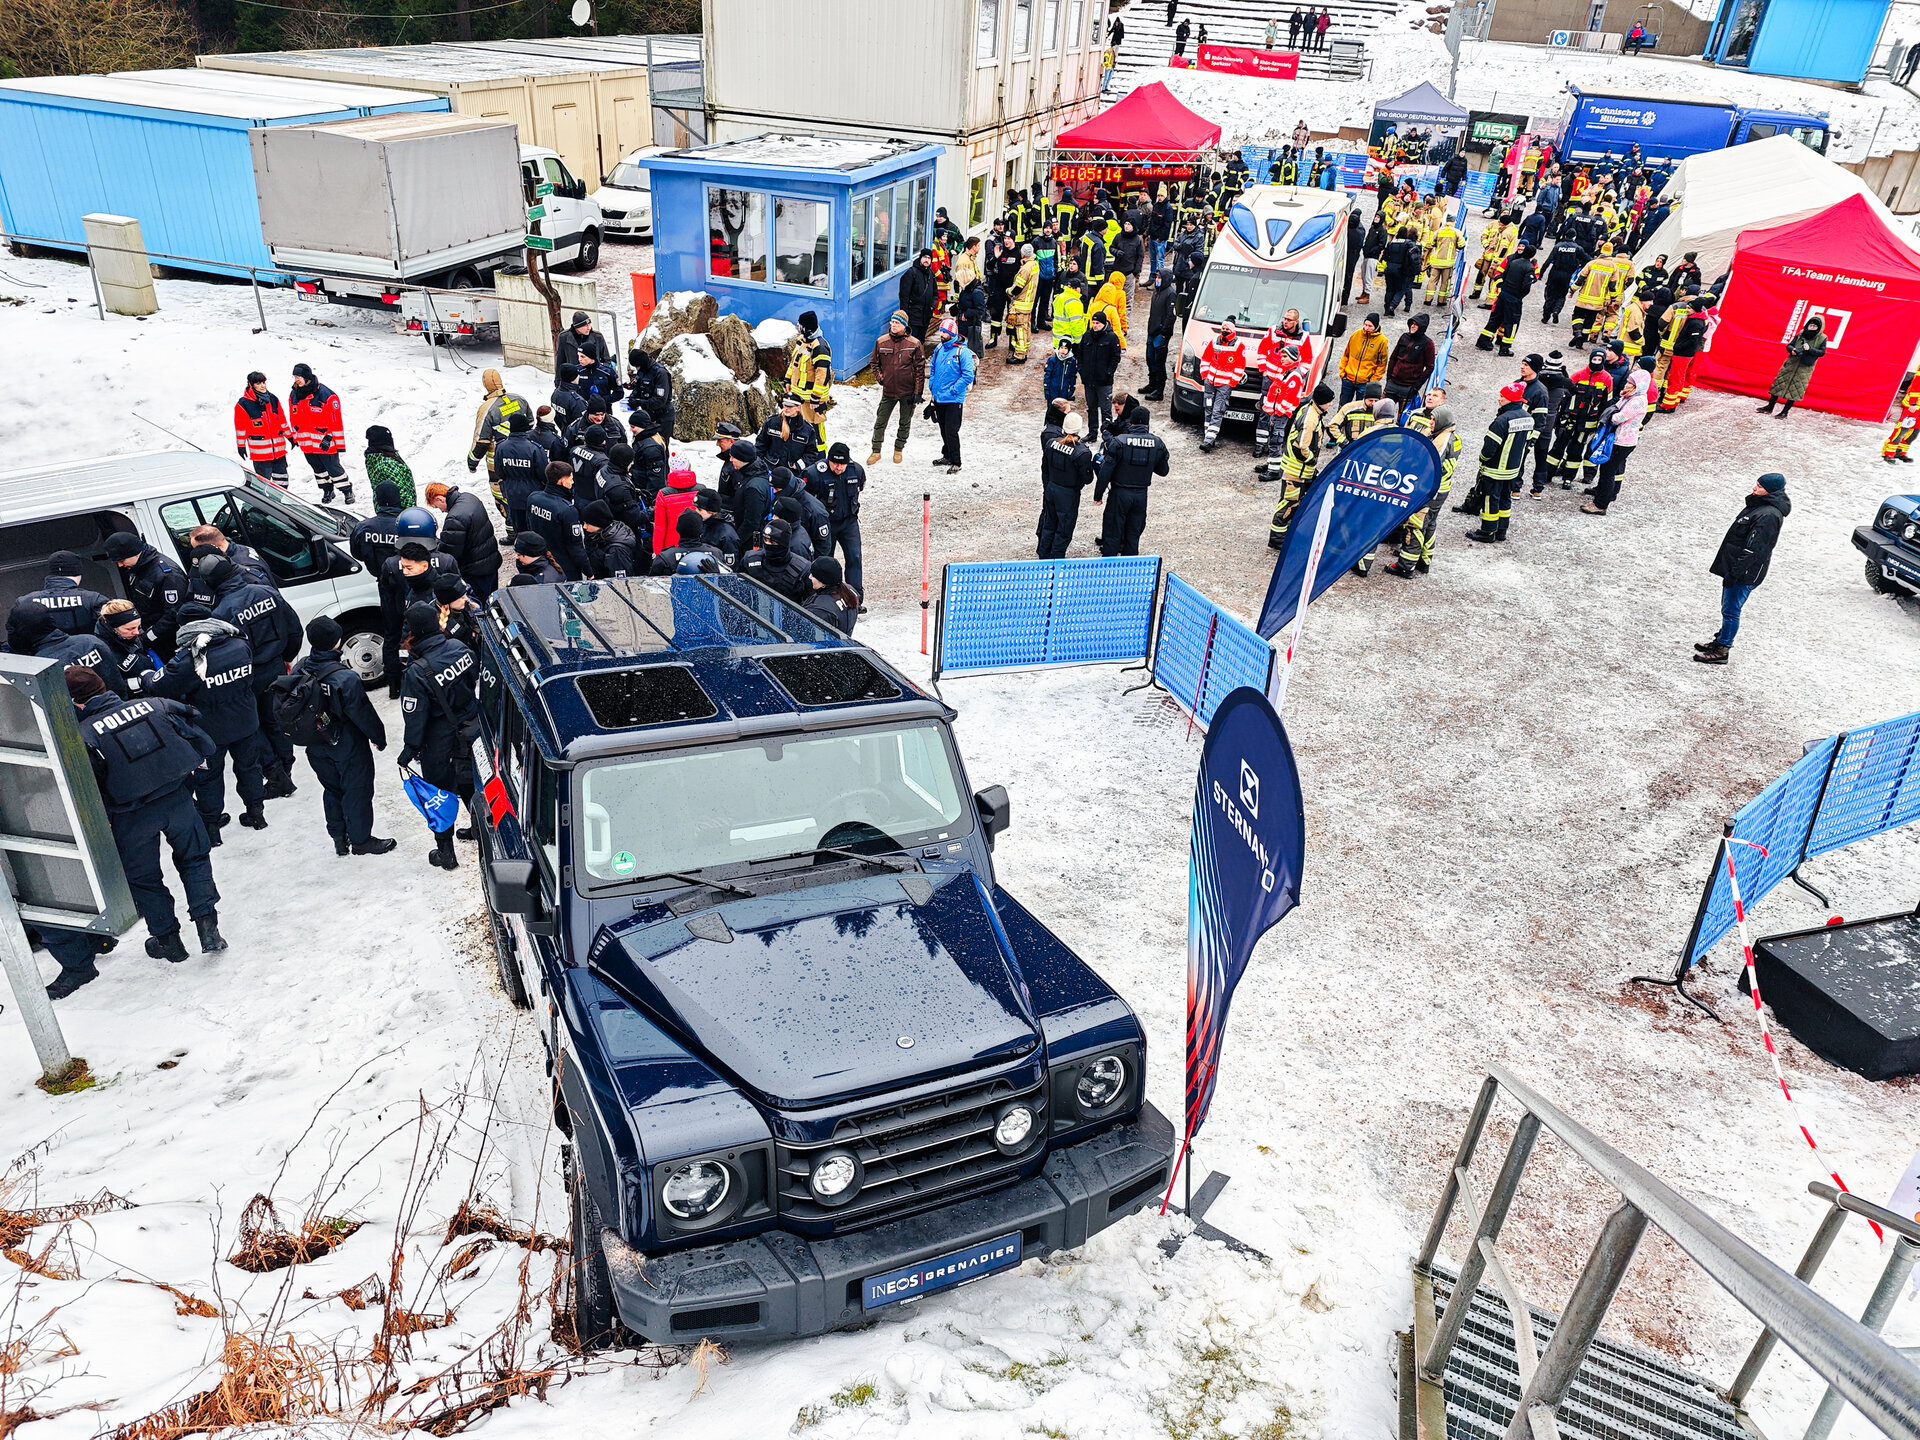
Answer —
276 1381
480 1219
15 1225
265 1244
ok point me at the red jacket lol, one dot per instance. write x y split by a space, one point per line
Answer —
260 427
1273 345
675 497
317 427
1223 364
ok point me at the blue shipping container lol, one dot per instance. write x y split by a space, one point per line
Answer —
167 147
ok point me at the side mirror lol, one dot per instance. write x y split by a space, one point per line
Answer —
339 562
577 190
1337 328
995 810
516 888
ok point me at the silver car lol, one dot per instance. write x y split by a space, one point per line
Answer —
626 201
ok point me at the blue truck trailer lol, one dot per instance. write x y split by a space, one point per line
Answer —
1608 124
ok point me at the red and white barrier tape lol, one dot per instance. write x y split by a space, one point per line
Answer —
1766 1034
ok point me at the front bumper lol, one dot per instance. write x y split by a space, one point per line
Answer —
1896 562
627 226
779 1284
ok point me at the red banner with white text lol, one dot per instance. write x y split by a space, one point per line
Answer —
1246 60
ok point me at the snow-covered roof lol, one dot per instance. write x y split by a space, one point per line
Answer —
803 152
455 63
115 480
227 94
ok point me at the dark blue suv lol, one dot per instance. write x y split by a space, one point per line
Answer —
811 1060
1892 546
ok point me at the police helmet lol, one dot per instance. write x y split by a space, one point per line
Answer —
415 525
700 563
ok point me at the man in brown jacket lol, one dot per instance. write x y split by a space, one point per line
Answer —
900 365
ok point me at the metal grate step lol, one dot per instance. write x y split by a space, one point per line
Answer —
1621 1393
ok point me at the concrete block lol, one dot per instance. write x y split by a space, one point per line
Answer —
525 334
120 262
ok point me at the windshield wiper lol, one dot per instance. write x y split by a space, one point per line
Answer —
889 862
725 885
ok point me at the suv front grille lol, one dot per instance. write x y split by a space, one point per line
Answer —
914 1154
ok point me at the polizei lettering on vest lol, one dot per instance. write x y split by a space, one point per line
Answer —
114 719
256 610
454 671
227 677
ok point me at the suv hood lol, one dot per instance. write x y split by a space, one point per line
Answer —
828 993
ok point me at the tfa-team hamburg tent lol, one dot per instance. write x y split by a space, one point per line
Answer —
1850 268
1718 195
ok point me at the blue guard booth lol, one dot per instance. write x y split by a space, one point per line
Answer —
1806 39
781 224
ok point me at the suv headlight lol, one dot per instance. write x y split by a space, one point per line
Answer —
836 1177
695 1189
1098 1086
1013 1128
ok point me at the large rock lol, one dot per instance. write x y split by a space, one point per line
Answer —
756 404
732 341
773 345
704 390
680 312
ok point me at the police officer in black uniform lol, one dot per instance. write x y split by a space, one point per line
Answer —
128 665
32 630
343 759
520 464
691 530
611 545
212 671
718 532
530 563
272 628
156 585
836 482
442 717
551 515
651 389
375 538
652 460
776 566
407 579
1128 464
73 607
144 753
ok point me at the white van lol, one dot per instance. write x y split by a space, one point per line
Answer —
163 496
1284 247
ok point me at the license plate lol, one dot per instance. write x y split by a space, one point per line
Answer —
312 297
1233 414
954 1268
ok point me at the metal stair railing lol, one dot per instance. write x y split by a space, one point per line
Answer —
1859 1367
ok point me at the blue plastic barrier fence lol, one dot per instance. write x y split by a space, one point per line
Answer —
1846 788
1477 189
1180 653
1025 614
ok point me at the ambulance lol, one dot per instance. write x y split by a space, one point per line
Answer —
1284 247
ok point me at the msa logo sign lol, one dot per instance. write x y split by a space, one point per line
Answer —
1834 321
1250 789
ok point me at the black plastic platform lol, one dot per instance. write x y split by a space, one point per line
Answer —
1849 993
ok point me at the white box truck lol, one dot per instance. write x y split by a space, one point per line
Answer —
356 209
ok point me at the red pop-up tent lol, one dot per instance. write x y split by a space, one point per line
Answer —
1149 122
1846 266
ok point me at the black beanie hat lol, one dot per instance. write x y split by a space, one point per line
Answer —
83 684
595 437
447 588
529 544
839 454
1323 394
324 633
827 571
63 562
303 370
386 494
743 451
598 514
124 545
568 370
706 498
423 618
809 320
379 437
689 526
779 533
192 610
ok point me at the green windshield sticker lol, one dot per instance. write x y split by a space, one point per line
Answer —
623 862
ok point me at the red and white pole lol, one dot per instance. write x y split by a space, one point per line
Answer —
1284 670
926 556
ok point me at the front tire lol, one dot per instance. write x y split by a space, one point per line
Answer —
589 252
504 960
1879 581
596 1321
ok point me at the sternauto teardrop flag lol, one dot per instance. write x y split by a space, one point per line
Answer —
1374 485
1249 838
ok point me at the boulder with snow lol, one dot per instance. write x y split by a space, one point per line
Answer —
732 341
756 403
680 312
704 390
773 342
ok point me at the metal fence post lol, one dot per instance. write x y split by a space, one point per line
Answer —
30 992
1874 1317
1810 1263
1462 1160
1606 1267
253 276
99 295
1471 1268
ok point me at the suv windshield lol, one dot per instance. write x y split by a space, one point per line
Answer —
1256 297
319 521
686 810
628 177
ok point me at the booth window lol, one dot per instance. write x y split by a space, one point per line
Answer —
987 44
1021 30
800 240
902 223
737 233
1049 26
861 207
920 214
1074 32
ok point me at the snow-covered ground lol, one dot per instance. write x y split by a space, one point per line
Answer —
1514 778
1530 80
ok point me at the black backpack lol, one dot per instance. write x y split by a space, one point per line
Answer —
302 709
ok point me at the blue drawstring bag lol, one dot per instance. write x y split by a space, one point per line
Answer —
1601 450
439 808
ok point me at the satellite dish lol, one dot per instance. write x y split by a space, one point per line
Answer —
582 11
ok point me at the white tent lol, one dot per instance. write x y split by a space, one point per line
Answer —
1747 187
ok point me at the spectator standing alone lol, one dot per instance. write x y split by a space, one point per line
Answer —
1741 562
900 364
953 374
